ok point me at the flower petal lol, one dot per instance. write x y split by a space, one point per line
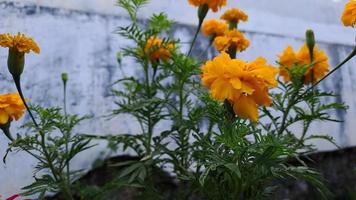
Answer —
246 108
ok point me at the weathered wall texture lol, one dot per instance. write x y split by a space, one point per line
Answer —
83 44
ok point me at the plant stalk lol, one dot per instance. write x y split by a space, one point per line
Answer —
66 136
286 112
149 125
202 12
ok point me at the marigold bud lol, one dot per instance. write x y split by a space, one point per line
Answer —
16 62
310 39
64 77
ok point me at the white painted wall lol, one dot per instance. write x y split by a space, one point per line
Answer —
266 16
78 38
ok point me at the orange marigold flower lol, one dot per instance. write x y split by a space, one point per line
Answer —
348 17
232 38
19 42
11 107
234 15
214 5
288 58
244 84
213 27
157 49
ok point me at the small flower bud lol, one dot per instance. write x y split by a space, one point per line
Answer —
64 78
310 39
15 62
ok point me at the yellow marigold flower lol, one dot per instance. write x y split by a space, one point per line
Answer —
214 5
157 49
289 58
234 15
232 38
348 17
11 107
240 82
19 42
18 45
213 27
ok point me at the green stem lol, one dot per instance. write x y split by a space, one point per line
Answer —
305 129
66 136
202 12
268 113
149 123
65 100
229 112
207 48
184 139
232 52
290 104
18 87
181 101
232 25
194 39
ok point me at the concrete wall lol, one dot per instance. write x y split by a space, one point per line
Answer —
77 37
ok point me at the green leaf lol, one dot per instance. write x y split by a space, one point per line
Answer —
233 168
131 6
130 169
159 23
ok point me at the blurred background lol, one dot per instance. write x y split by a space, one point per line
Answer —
78 37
